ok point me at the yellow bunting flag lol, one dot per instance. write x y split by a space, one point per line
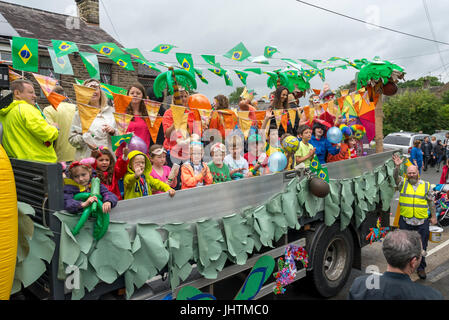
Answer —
277 117
292 113
152 109
179 118
121 102
244 122
153 127
122 120
344 92
47 84
83 94
87 116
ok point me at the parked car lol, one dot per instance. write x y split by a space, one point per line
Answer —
440 135
403 140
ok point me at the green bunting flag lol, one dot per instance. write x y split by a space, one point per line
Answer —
227 78
108 49
218 71
269 51
210 60
238 53
292 73
25 54
199 74
309 74
313 64
254 70
135 53
186 62
118 140
242 76
90 61
109 89
62 47
124 61
150 65
292 63
163 48
315 167
321 74
61 64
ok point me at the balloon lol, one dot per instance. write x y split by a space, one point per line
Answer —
277 162
318 187
199 101
137 143
334 135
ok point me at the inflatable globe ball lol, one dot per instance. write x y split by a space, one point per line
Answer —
318 187
199 101
290 144
277 162
334 135
137 143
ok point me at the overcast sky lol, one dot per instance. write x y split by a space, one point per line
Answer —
297 30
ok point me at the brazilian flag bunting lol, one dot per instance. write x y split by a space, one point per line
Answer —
90 61
186 62
238 53
269 51
242 76
61 64
199 74
163 48
63 47
124 61
25 54
108 49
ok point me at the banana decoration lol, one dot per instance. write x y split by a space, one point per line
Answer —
95 210
8 225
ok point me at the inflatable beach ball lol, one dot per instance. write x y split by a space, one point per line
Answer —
290 144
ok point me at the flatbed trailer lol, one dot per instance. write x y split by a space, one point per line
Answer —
332 250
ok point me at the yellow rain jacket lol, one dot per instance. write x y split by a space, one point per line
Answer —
134 188
25 132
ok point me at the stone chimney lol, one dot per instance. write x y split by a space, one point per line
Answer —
88 11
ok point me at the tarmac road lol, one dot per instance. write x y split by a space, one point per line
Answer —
437 262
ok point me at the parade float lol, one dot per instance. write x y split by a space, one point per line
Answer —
167 248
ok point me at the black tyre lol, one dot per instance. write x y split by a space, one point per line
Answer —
332 260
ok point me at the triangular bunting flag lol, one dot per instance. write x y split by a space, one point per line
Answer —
199 74
163 48
153 127
121 102
244 122
277 117
179 118
242 76
60 65
186 62
124 61
90 61
108 49
63 48
87 116
238 53
122 120
152 110
55 99
83 94
269 51
47 84
292 114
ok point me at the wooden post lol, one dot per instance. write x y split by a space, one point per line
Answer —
379 116
176 94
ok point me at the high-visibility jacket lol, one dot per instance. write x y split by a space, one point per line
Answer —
414 203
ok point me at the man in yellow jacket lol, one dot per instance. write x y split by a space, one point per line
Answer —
26 134
415 200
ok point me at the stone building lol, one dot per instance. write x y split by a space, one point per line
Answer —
17 20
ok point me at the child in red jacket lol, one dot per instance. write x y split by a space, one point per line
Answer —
110 171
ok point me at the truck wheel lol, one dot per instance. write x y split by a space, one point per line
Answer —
332 260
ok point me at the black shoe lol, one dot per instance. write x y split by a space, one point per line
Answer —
422 274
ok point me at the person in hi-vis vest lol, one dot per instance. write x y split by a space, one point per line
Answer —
415 201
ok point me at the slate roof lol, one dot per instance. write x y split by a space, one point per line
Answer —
44 25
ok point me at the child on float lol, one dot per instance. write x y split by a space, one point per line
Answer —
80 175
256 157
195 173
218 169
237 164
319 141
306 150
110 171
348 150
138 181
158 158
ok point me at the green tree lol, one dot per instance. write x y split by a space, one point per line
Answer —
418 83
235 95
415 111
